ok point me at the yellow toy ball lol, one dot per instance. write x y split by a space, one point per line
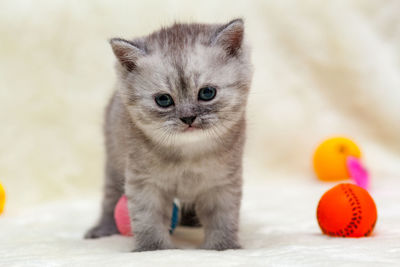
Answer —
330 158
2 198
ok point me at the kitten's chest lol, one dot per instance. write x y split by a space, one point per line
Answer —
189 179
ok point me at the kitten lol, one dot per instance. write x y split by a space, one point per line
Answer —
175 127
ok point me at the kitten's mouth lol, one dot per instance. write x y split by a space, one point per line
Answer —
191 128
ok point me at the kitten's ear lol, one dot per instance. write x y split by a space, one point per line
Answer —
127 52
230 36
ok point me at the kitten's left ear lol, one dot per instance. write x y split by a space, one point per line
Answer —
230 36
127 52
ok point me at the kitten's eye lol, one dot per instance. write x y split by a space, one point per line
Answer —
164 100
207 93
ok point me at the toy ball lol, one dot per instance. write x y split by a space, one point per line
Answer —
347 210
123 221
330 158
121 216
2 198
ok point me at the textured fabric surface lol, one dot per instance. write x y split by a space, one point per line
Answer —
278 227
322 68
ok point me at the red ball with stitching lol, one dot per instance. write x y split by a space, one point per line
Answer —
347 210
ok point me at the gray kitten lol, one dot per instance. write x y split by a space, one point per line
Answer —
175 128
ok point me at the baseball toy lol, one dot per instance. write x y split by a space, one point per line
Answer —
338 158
2 198
123 221
347 210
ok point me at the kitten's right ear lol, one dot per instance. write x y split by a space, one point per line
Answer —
127 52
230 36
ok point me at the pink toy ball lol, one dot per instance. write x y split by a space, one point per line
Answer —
121 216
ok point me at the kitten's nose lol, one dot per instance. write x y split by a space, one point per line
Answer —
188 120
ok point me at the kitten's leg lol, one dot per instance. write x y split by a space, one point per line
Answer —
150 212
113 190
218 211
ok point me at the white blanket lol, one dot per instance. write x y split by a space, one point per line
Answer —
278 227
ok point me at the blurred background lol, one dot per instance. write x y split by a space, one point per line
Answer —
322 68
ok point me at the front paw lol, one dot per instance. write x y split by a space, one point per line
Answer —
151 245
101 230
221 245
152 248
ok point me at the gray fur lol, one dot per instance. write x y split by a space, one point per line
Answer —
152 159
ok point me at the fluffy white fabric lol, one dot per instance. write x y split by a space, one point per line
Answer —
278 227
321 68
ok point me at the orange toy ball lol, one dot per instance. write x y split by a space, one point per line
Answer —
2 198
347 210
330 158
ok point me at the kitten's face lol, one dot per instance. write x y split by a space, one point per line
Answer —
190 94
